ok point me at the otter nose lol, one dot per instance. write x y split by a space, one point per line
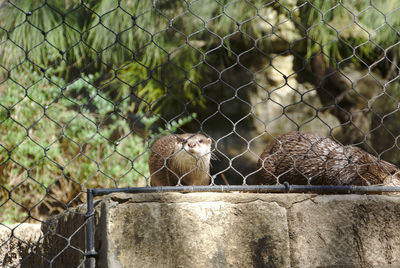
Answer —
191 144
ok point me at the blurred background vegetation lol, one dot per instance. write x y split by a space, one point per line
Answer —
85 86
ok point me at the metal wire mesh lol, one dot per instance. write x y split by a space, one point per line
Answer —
87 87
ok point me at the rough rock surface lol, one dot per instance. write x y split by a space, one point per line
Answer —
347 230
250 230
17 242
200 230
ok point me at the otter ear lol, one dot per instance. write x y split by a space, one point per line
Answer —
209 140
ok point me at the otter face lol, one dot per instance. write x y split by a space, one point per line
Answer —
192 152
195 144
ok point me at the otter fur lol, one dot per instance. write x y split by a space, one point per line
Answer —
307 158
180 159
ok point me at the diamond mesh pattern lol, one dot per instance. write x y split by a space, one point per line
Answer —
86 87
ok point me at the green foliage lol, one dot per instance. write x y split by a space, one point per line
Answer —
66 131
152 50
343 30
173 126
53 130
42 32
156 48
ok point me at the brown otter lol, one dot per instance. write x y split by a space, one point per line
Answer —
307 158
180 160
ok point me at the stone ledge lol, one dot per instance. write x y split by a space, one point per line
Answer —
230 230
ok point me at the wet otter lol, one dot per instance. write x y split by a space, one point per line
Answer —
180 159
307 158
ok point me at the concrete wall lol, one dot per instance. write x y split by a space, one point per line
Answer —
232 230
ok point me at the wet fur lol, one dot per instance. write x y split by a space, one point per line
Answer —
307 158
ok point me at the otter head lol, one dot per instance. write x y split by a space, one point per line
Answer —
196 145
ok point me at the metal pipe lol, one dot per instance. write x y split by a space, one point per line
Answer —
90 252
284 188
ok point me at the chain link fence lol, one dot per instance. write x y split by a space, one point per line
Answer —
87 87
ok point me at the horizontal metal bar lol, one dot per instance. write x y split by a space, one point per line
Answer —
284 188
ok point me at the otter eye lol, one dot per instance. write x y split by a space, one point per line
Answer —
200 141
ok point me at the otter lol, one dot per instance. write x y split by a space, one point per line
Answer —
307 158
182 159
